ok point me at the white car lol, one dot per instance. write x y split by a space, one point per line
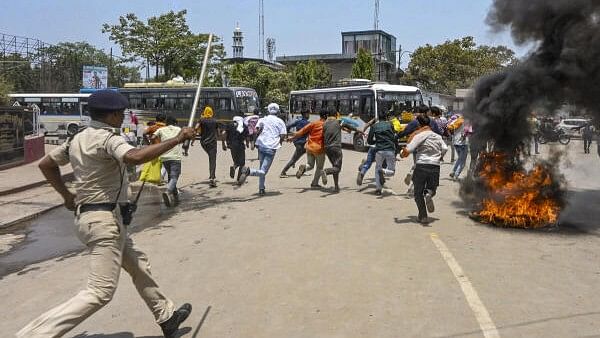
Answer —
572 126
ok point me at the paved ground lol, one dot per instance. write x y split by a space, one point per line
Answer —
305 263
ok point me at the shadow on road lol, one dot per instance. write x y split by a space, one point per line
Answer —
181 332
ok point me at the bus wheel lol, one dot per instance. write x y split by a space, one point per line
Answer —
359 143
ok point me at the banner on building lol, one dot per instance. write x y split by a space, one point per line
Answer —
95 77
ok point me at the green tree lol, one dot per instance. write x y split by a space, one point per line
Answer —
270 85
311 74
455 64
5 89
17 71
363 66
68 58
164 42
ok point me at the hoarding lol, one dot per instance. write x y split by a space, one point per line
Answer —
95 77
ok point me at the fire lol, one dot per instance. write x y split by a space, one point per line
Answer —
517 197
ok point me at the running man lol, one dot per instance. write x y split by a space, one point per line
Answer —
315 149
299 142
208 130
429 148
235 134
382 135
332 139
271 133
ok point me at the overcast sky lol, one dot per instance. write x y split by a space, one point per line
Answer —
299 26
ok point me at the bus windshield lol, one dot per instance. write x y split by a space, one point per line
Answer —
398 101
246 101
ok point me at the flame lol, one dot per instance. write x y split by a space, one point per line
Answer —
517 197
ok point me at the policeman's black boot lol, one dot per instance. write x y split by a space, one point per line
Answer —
171 326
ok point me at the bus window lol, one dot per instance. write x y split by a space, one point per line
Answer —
343 103
367 110
225 104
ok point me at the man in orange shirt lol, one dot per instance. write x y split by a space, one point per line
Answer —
315 150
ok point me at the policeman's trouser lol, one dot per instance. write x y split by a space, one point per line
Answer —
110 249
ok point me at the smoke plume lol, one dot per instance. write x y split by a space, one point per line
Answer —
562 68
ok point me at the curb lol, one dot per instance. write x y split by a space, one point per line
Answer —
66 177
28 217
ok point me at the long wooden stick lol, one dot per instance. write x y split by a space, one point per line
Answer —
199 89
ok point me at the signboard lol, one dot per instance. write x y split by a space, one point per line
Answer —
95 77
12 135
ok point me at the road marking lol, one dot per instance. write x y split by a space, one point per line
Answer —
481 314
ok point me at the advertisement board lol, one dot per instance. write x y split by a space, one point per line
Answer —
95 77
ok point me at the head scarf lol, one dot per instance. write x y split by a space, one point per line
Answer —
239 123
208 112
273 108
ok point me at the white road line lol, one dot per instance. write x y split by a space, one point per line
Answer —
481 314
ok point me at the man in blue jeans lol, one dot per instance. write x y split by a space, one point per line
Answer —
382 135
171 160
271 132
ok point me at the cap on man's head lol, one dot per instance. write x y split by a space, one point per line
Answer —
273 108
107 100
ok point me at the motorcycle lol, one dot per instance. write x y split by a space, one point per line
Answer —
554 135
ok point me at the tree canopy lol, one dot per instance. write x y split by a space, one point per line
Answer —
455 64
164 42
275 85
5 89
363 66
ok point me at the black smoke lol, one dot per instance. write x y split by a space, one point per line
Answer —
563 67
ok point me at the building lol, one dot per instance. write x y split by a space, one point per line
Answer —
238 54
379 43
238 43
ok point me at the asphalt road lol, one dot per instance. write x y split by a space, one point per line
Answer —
309 263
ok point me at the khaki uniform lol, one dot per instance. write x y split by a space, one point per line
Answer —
96 155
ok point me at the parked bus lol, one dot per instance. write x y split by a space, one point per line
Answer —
59 113
362 101
176 99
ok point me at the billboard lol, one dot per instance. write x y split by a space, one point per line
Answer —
95 77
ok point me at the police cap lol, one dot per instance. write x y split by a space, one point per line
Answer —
107 100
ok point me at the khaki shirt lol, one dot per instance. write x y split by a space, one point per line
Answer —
96 155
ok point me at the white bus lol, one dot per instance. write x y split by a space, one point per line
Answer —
363 101
58 113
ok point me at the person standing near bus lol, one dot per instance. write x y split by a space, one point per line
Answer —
587 133
429 148
315 150
250 123
299 142
208 130
271 132
332 139
97 155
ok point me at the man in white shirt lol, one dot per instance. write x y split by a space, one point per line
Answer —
171 160
429 148
271 132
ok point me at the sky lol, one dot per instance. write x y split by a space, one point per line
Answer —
298 26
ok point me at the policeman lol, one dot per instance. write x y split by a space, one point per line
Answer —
99 156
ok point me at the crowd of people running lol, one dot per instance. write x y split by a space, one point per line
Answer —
425 138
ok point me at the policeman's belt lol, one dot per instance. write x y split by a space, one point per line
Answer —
96 207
